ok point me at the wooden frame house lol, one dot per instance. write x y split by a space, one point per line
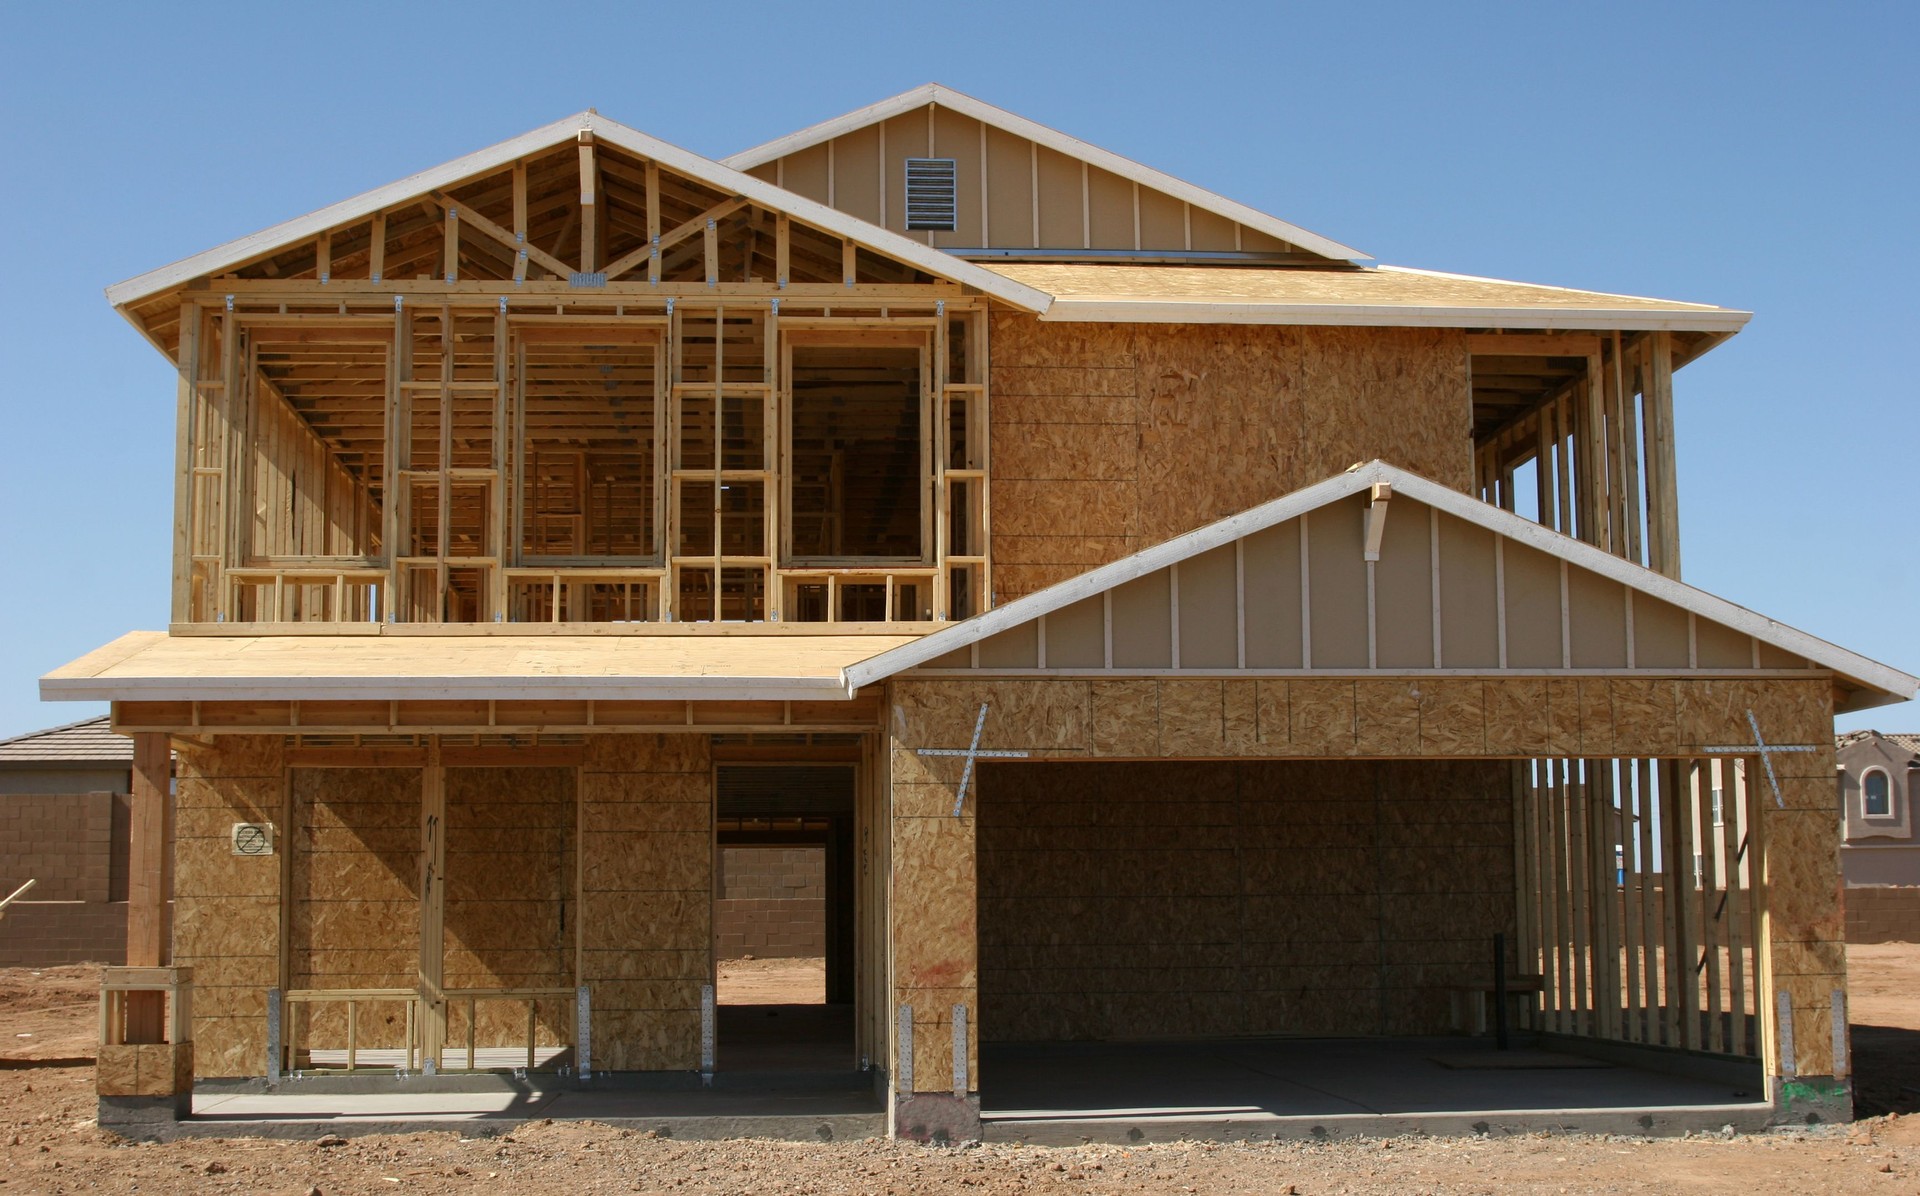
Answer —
527 504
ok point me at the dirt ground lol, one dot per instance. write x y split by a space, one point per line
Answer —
750 981
49 1143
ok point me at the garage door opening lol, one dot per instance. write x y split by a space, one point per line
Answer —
1167 943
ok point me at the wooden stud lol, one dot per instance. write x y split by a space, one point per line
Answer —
450 245
186 407
653 224
589 206
377 249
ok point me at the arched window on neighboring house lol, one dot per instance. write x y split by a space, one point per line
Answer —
1876 794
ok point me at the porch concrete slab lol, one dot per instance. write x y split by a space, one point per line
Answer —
791 1110
1316 1088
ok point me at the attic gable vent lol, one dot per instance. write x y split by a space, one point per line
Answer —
933 188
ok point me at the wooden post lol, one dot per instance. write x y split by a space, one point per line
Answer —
184 452
433 871
146 880
1663 515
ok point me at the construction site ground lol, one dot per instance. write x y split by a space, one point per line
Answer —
49 1142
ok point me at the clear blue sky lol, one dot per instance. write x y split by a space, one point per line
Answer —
1755 155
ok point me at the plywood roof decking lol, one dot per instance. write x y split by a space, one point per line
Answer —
154 666
1459 587
1385 295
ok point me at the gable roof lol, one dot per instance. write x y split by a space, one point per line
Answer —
89 741
672 157
1579 612
1020 126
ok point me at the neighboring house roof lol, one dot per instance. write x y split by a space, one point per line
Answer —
1020 126
90 741
1584 606
560 132
1904 740
1385 295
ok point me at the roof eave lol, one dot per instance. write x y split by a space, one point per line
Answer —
403 688
1131 311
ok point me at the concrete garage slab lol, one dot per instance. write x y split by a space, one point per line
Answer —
1066 1093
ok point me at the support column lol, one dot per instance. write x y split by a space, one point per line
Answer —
433 902
932 925
1803 924
152 813
1663 496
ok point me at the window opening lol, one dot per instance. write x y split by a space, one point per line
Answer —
1878 794
859 453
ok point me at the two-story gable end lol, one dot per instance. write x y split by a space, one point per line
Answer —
549 519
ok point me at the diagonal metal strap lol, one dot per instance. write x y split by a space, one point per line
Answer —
972 752
1766 752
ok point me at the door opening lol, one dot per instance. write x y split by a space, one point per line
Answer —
784 917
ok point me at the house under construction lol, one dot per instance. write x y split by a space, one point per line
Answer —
1169 623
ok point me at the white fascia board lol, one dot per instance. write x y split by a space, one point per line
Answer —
283 689
1897 685
1073 147
681 161
1178 311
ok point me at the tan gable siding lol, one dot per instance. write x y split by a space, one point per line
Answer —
1109 439
1300 595
1079 206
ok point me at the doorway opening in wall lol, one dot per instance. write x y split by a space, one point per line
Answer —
783 918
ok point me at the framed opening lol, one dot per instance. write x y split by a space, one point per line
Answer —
860 454
784 917
588 446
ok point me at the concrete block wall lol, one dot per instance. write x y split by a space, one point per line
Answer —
1883 914
74 847
62 840
45 934
771 903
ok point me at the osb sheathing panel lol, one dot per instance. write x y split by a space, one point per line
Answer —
646 848
1345 717
1151 899
509 893
226 914
1110 438
355 880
